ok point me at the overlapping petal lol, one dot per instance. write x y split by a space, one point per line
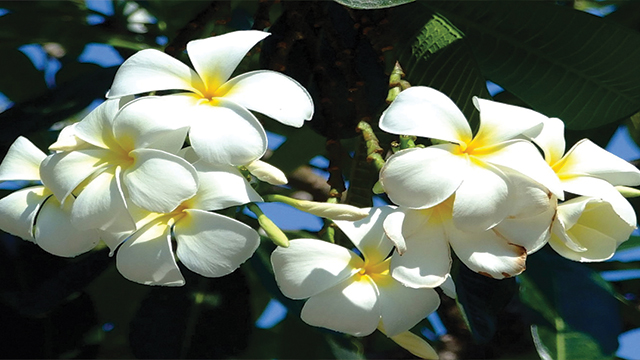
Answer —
501 122
22 161
152 70
54 232
353 307
63 172
426 112
147 258
368 234
159 181
308 267
213 245
483 199
216 58
401 308
270 93
221 186
226 134
18 211
551 140
97 127
421 178
587 158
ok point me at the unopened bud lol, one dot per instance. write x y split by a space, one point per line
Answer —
267 173
628 192
326 210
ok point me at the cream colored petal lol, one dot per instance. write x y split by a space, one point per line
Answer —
159 181
221 186
530 232
308 267
152 70
587 158
426 112
415 345
213 245
146 257
501 122
18 211
97 127
350 307
216 58
551 140
22 161
423 177
483 199
368 234
55 233
267 173
488 254
270 93
63 172
401 307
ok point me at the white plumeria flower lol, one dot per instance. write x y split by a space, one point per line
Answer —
208 243
33 213
123 156
349 293
587 169
423 236
471 167
214 106
588 229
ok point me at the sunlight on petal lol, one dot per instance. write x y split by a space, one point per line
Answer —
18 211
22 161
402 307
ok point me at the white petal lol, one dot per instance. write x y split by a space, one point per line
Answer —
426 112
531 232
523 157
449 287
152 70
22 161
97 127
350 307
159 181
55 233
308 267
267 173
368 234
18 211
500 122
587 158
226 134
392 225
153 122
146 257
402 307
221 186
270 93
213 245
427 261
483 199
551 140
216 58
63 172
421 178
487 253
100 204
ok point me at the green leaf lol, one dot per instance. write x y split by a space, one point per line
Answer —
562 62
372 4
481 299
563 327
21 80
433 53
634 241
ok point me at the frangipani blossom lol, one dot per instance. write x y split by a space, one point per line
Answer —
33 213
588 229
120 154
208 243
216 108
423 235
587 169
346 292
471 167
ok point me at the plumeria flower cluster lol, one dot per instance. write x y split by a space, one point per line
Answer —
123 174
493 197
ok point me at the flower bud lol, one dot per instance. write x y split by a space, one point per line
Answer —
267 173
326 210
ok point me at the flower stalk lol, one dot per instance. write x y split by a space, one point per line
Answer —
273 231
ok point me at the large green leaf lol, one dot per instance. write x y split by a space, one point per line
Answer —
563 326
432 53
562 62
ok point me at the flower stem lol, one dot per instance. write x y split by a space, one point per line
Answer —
273 231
